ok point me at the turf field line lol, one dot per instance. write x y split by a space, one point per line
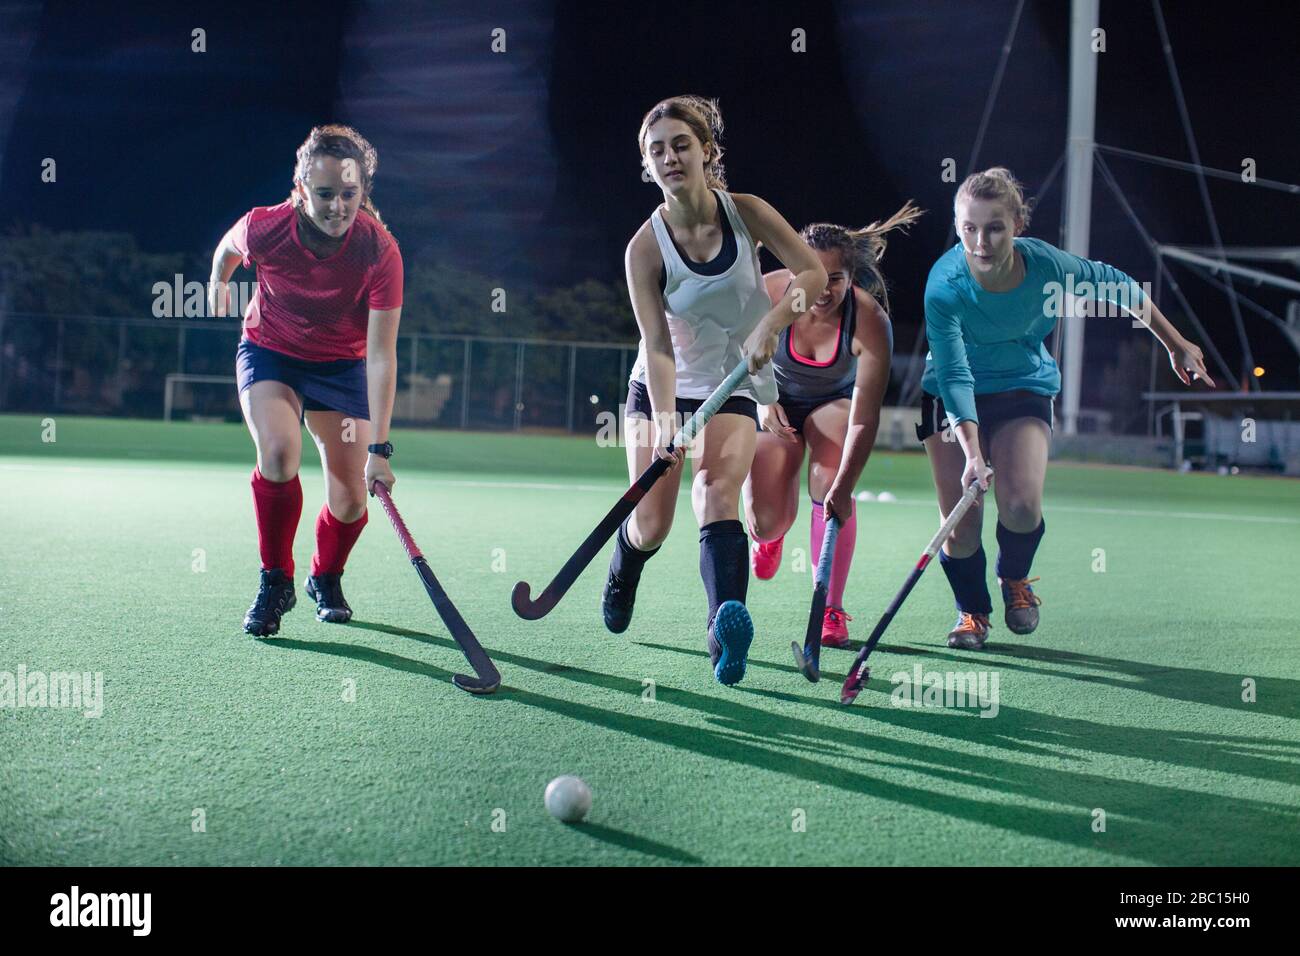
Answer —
554 486
413 473
926 503
528 485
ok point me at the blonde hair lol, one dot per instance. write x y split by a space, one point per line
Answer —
862 249
1000 185
341 142
704 119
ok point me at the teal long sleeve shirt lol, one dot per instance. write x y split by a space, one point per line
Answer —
984 342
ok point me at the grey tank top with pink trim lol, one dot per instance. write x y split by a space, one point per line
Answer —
799 380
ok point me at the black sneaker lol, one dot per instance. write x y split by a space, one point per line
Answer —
326 591
616 603
274 597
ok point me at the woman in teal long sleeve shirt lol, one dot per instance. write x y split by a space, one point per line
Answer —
990 301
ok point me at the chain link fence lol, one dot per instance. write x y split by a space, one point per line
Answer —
151 368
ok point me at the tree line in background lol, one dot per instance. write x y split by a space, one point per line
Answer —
43 272
107 274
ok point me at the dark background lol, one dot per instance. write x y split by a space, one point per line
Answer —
521 168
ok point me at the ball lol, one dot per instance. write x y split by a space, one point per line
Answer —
886 496
866 496
568 798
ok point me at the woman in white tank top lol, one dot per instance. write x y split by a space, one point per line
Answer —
701 305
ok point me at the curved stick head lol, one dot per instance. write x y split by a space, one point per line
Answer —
854 683
807 666
475 685
521 600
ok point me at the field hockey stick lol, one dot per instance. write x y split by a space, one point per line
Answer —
859 672
520 598
486 679
808 658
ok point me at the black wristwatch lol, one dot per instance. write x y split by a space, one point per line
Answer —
383 451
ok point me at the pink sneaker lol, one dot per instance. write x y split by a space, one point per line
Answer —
765 557
835 631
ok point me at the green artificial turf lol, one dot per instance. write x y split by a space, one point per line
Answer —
1127 700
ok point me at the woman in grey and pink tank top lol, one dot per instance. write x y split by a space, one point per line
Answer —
832 368
702 308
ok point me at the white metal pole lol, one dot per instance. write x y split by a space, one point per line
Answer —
1078 203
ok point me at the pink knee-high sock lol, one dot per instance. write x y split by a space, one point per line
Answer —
843 559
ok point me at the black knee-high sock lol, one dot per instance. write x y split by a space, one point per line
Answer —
628 560
1016 551
724 565
966 576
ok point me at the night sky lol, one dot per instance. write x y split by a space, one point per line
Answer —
523 165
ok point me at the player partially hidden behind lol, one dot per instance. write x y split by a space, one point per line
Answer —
698 295
832 369
989 302
319 342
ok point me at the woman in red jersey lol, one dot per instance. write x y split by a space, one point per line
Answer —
319 343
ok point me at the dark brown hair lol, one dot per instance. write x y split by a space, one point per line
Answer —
341 142
862 249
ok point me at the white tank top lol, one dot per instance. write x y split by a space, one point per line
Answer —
710 316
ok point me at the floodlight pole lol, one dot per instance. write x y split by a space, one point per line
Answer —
1078 180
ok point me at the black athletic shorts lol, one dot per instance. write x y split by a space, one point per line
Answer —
993 409
338 386
638 404
797 410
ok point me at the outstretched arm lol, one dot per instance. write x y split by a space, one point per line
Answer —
1184 355
1111 285
873 344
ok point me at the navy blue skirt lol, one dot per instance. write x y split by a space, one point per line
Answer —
338 386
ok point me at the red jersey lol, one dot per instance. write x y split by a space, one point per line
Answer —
315 309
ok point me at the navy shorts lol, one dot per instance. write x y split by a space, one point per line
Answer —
638 404
337 386
797 410
993 409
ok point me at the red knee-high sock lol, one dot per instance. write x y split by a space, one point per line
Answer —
334 540
278 506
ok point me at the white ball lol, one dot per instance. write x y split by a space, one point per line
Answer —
568 798
866 496
886 496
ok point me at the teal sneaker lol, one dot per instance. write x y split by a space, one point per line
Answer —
731 634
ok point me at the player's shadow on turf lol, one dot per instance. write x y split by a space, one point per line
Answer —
1274 696
1030 732
1150 821
359 653
1153 819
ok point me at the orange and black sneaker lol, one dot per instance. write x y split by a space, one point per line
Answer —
971 632
1022 605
